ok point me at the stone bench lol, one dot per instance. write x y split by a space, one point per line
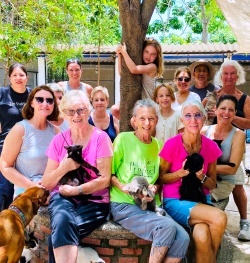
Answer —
113 243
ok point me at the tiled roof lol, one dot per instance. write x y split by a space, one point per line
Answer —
166 49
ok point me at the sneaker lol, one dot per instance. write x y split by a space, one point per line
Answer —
244 234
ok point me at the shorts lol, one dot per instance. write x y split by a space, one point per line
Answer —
240 175
222 190
71 221
163 231
180 210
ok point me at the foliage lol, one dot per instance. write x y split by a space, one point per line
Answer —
185 21
28 26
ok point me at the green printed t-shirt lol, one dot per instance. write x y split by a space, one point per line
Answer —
132 158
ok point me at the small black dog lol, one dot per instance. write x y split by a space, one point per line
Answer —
191 187
79 175
247 170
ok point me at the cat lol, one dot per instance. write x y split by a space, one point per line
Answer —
88 255
210 105
31 244
191 187
80 175
139 185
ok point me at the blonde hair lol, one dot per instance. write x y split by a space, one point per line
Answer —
168 87
159 59
99 88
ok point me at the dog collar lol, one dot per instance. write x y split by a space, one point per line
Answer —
20 213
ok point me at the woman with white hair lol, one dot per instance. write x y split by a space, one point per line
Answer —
231 73
208 222
70 219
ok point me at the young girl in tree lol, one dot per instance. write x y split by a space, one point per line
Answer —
151 69
169 123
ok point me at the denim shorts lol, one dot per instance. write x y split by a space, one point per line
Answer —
163 231
180 210
71 221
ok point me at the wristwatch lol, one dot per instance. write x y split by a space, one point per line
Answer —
204 179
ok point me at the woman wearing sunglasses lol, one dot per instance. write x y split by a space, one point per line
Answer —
207 222
71 220
23 158
182 79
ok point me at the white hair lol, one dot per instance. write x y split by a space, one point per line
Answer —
196 103
240 72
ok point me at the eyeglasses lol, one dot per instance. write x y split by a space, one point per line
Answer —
40 100
79 111
197 116
185 79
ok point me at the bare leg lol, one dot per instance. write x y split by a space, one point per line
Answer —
216 221
157 254
240 200
66 254
203 243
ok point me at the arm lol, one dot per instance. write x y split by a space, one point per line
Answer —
149 69
236 154
9 155
243 123
166 177
116 125
89 89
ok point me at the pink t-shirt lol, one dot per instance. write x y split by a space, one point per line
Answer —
99 146
174 152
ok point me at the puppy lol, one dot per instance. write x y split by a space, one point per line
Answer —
31 244
247 170
191 187
88 255
14 220
211 103
139 186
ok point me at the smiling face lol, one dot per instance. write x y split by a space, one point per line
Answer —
18 78
201 74
229 76
183 81
163 97
100 101
74 71
226 112
41 103
77 115
191 119
145 120
149 54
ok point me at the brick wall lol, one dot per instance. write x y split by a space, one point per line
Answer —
113 243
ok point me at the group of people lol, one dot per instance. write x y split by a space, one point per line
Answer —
169 126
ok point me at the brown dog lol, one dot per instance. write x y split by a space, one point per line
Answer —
14 220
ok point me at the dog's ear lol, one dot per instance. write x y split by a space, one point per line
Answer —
35 204
186 166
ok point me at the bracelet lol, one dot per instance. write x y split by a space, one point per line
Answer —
80 190
204 179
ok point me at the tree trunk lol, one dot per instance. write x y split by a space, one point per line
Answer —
134 17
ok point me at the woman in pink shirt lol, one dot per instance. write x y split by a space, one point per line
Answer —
207 222
72 219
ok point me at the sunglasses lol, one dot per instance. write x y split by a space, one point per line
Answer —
40 100
197 116
79 111
185 79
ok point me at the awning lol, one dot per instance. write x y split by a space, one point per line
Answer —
237 14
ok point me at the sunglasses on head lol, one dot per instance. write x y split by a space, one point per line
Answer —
197 116
40 100
185 79
79 111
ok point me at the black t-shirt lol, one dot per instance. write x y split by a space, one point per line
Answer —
11 104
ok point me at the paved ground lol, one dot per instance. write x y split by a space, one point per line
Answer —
240 251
